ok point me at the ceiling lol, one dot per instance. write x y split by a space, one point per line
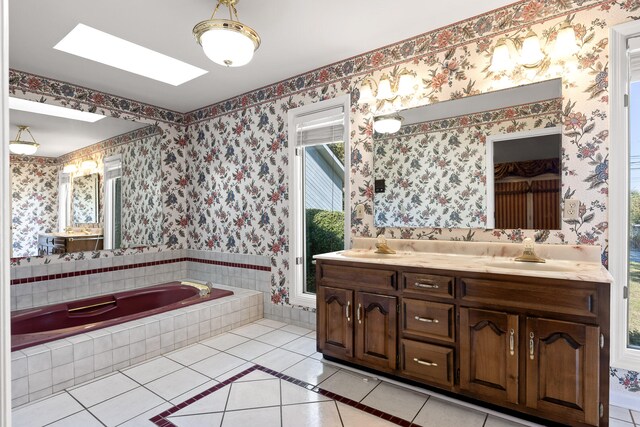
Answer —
58 136
297 36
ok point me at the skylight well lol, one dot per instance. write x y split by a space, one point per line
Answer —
96 45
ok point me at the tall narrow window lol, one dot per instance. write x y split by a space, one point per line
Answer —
319 142
633 272
112 202
624 196
64 201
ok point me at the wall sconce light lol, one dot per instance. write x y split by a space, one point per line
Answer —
390 87
531 55
70 168
566 44
88 165
387 124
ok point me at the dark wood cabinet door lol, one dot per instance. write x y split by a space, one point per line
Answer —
335 321
562 360
489 354
376 329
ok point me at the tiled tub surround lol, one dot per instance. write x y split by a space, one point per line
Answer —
37 284
259 279
44 369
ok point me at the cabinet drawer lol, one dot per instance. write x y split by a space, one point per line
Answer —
429 362
370 278
431 284
428 319
576 300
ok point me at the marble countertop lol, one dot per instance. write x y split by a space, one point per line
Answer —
73 234
569 263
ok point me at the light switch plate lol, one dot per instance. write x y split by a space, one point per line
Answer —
360 211
571 208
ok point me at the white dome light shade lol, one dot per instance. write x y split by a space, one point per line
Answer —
406 85
227 46
23 148
387 124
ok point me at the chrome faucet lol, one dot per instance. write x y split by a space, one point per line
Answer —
382 247
529 254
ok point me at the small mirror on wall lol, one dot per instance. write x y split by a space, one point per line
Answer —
523 180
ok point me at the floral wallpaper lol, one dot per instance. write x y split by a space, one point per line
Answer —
225 176
435 171
34 201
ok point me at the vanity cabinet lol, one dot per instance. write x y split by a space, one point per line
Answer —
357 317
48 244
534 345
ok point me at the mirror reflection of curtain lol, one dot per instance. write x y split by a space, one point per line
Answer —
524 201
511 204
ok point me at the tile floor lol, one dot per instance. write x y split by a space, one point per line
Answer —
264 374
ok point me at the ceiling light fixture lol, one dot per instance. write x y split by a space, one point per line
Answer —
227 41
96 45
52 110
25 148
387 124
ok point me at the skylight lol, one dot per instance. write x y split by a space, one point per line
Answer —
102 47
52 110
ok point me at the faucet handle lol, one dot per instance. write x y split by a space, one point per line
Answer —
381 239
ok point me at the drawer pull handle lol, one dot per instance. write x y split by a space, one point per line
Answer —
425 285
425 363
358 313
531 346
426 319
511 343
347 311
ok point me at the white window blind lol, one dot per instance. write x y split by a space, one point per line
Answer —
112 167
320 127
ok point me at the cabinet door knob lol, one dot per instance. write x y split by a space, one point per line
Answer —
511 342
425 285
531 346
358 313
347 311
426 319
424 362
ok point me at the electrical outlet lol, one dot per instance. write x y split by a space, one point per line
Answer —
360 211
571 207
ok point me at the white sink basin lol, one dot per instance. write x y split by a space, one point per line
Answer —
533 266
373 255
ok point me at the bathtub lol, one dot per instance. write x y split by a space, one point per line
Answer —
44 324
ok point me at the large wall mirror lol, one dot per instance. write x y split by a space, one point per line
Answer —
485 161
89 186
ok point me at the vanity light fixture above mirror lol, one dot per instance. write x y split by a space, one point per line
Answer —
530 54
389 88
